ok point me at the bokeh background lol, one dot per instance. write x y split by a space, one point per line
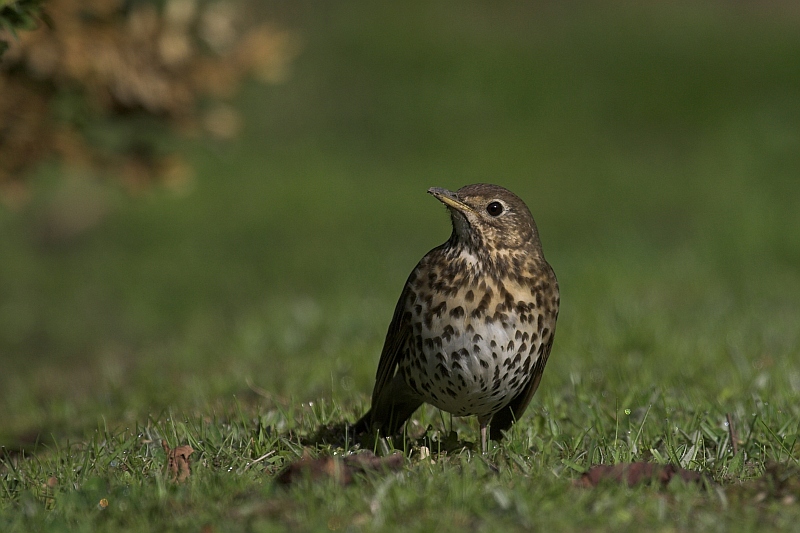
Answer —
245 232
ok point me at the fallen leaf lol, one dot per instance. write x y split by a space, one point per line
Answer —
178 461
636 473
315 470
780 482
340 470
48 492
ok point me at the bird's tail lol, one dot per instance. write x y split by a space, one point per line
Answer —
396 403
364 424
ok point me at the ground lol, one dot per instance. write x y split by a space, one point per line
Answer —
658 147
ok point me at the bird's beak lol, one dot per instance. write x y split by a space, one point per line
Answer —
449 199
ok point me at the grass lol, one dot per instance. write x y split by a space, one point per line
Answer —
657 147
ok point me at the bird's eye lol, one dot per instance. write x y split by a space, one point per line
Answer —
494 209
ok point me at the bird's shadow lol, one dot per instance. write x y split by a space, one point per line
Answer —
343 435
339 435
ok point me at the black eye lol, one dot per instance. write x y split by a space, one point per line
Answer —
494 209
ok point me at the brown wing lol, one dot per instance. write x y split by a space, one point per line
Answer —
393 402
396 336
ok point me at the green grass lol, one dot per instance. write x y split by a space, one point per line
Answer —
658 147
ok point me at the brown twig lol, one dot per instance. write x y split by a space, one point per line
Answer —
732 434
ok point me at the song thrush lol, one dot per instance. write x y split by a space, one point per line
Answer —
474 325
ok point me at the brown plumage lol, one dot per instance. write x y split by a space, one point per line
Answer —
474 325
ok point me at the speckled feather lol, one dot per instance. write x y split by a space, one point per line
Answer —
474 325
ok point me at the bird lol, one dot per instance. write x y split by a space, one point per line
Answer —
474 325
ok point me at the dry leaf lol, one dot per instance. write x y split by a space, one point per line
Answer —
341 470
636 473
178 461
48 492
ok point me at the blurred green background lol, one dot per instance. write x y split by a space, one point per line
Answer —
657 145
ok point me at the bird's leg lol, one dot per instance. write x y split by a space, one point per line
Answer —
484 444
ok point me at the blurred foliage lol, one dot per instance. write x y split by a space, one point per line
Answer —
17 15
95 88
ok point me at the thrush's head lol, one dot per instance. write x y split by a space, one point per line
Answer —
489 217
